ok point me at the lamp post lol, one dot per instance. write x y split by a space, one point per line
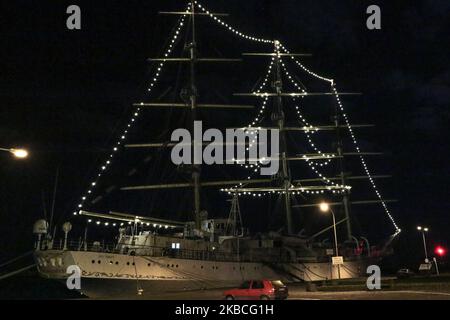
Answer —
423 230
16 152
325 207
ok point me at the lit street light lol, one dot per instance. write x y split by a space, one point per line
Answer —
423 230
325 207
18 153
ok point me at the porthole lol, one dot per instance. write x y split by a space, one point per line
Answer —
111 262
168 266
128 263
93 261
133 263
172 266
176 266
201 267
117 262
99 262
148 264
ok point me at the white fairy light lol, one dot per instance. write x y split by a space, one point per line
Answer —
136 113
230 28
302 119
304 68
332 83
363 162
257 119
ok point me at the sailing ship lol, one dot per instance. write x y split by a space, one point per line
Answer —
149 254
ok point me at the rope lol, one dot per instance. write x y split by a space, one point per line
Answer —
17 271
15 259
316 274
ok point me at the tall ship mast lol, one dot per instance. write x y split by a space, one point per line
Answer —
148 253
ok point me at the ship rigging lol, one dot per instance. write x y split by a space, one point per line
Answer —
166 249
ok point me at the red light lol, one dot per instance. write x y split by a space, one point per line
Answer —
440 251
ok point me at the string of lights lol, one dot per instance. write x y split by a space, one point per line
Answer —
230 28
302 119
341 107
335 188
255 121
259 117
305 68
104 167
293 190
363 162
137 222
311 164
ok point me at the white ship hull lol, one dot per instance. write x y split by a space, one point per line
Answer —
105 275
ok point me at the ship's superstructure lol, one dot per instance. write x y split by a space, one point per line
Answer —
152 254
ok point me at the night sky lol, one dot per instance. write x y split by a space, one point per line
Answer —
65 95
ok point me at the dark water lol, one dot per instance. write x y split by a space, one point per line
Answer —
29 286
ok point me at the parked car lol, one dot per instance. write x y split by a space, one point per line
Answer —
405 273
258 290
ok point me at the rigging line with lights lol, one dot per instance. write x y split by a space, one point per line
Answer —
317 76
104 167
266 95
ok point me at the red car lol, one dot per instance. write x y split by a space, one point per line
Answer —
258 289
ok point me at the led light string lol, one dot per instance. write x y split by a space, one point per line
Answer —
310 163
261 40
332 83
230 28
304 68
121 224
278 45
363 162
259 117
293 190
104 167
254 133
303 120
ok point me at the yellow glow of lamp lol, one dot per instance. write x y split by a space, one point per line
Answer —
19 153
324 207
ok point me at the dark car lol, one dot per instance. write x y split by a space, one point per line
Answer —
405 273
258 289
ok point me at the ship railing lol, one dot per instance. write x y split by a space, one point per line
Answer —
74 245
158 251
143 250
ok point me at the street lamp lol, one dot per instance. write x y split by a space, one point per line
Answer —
423 230
325 207
18 153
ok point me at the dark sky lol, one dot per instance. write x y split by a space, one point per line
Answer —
64 94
